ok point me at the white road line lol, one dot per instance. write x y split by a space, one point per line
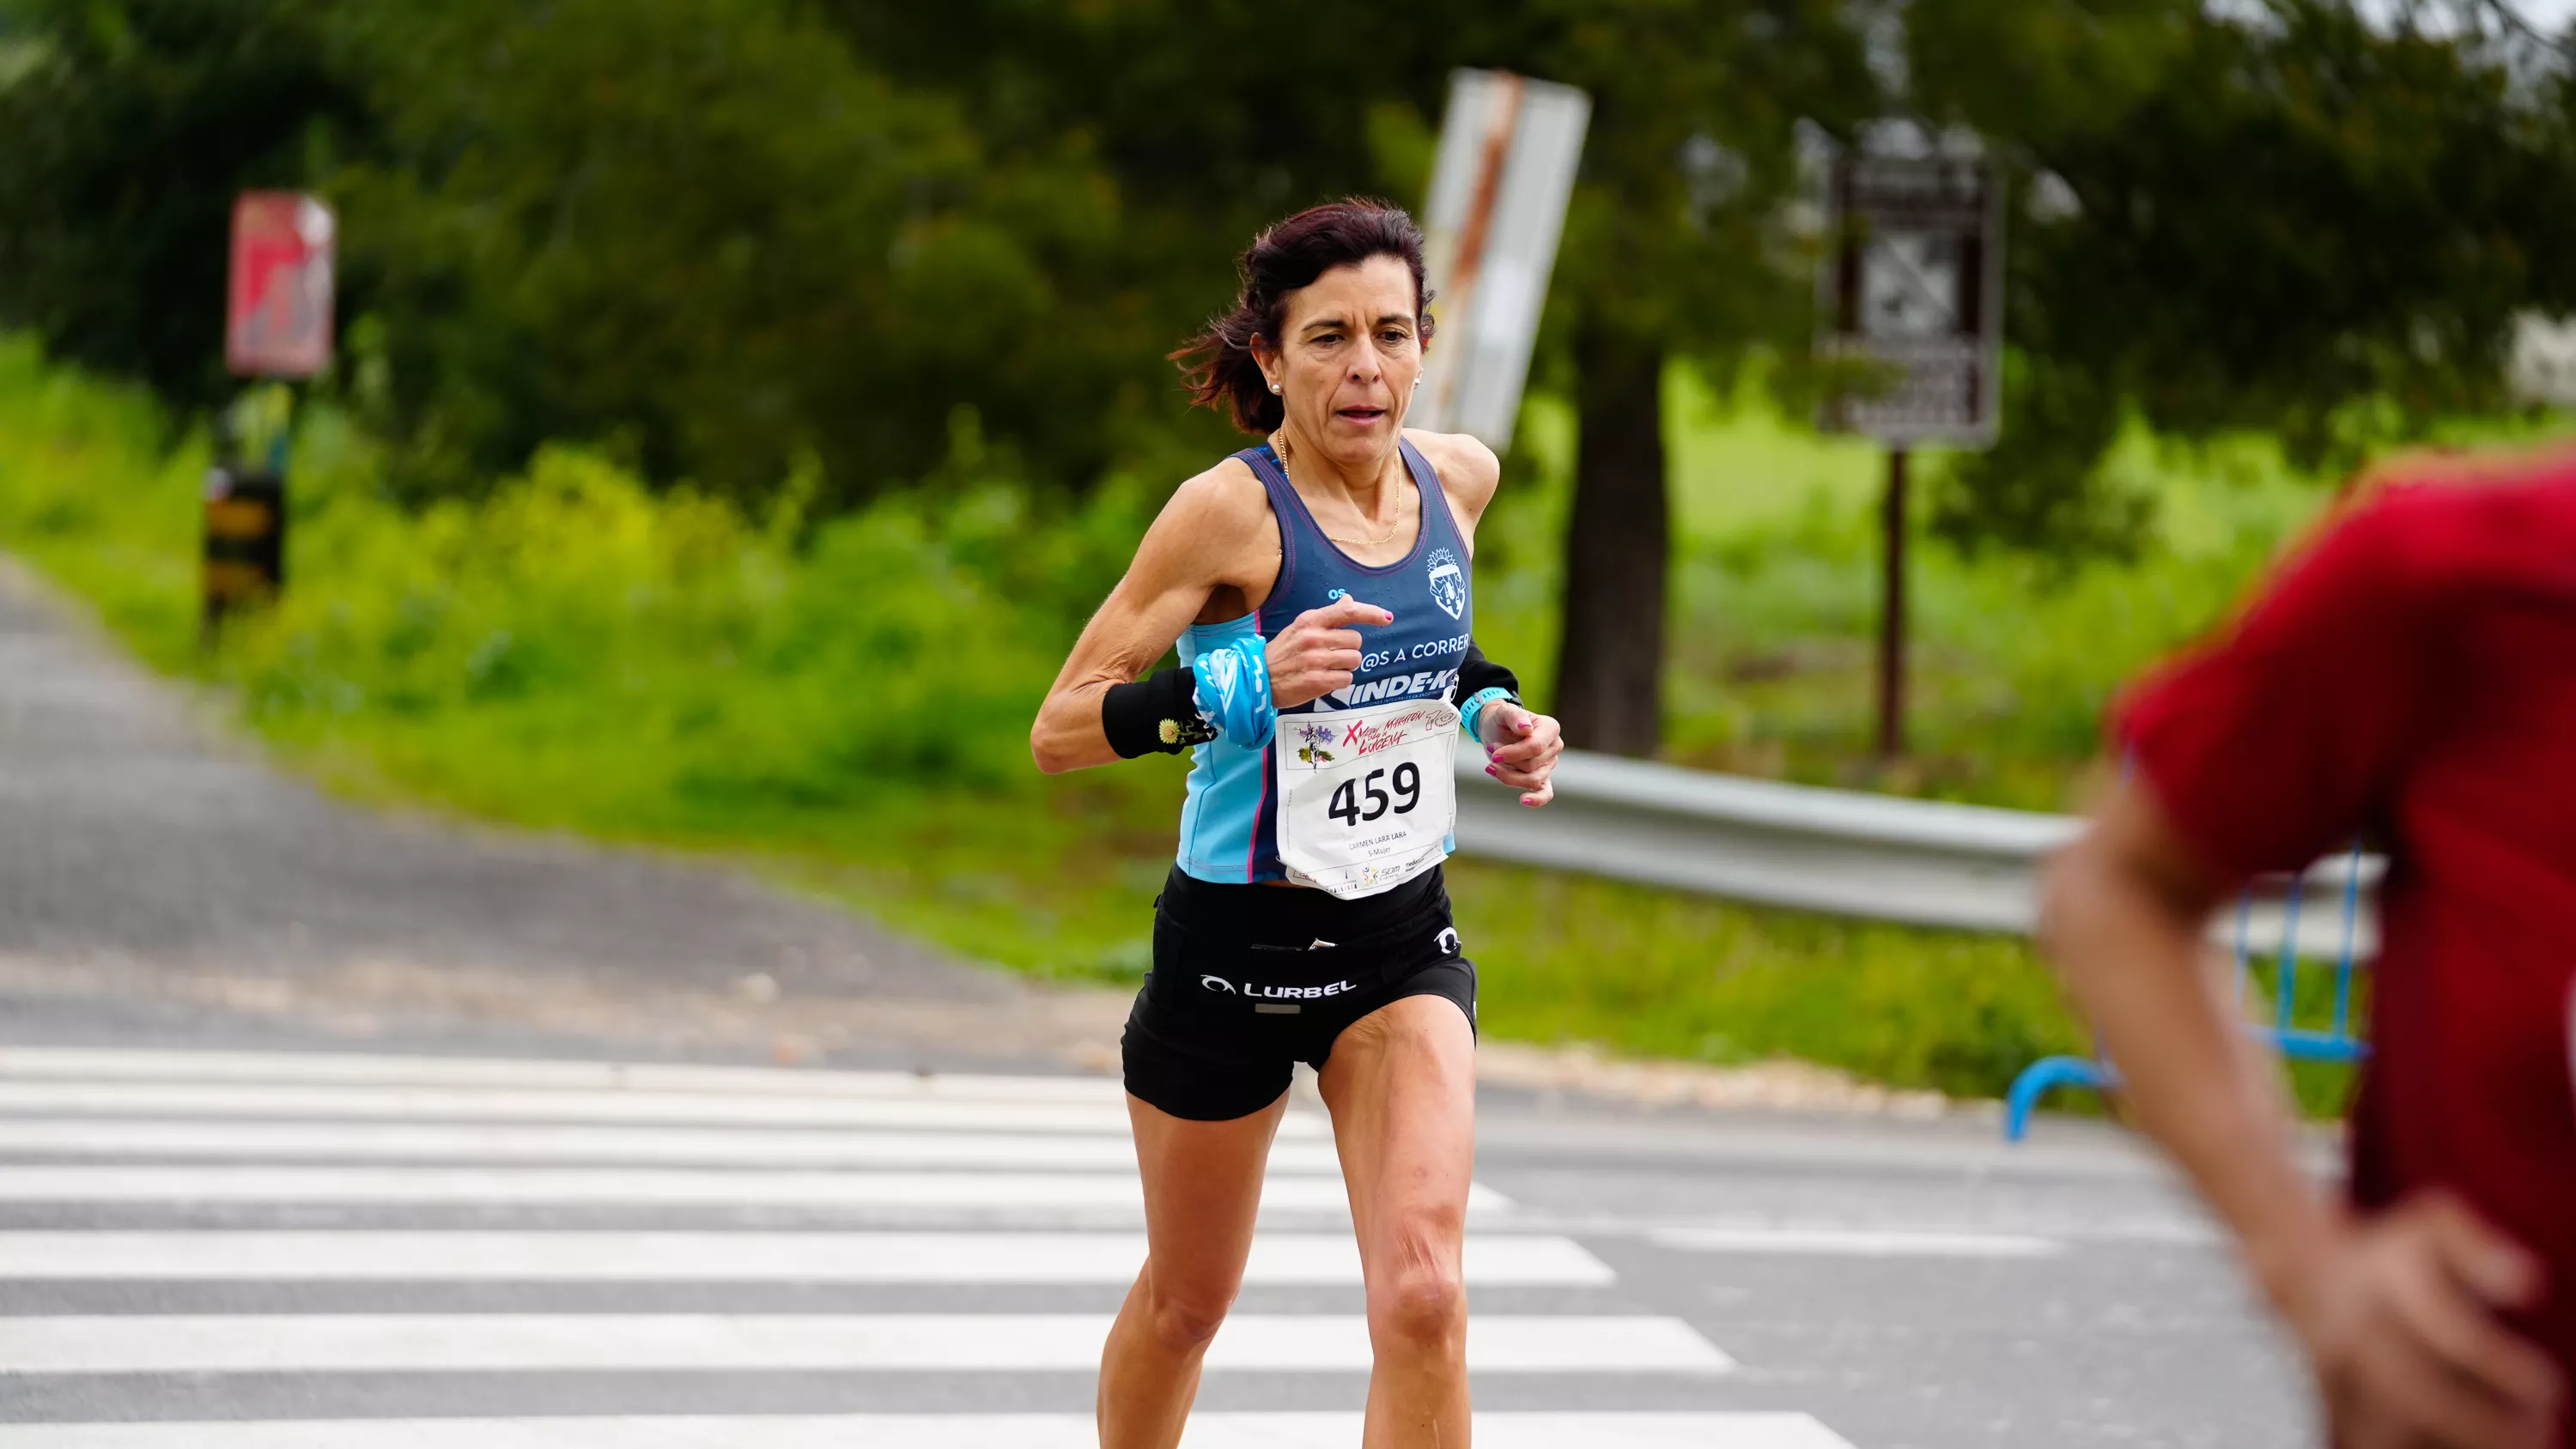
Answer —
923 1431
129 1064
707 1342
1493 1259
545 1142
226 1099
1857 1243
656 1186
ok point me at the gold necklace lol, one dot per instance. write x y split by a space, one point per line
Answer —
1279 445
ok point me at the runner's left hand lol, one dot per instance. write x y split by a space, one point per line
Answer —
1521 749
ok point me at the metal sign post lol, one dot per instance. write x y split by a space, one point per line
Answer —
277 324
1508 149
1911 299
1891 614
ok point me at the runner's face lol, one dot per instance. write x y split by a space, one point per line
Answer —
1347 365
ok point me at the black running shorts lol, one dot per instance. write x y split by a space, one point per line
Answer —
1249 979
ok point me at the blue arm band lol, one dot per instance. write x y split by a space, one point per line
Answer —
1474 708
1233 690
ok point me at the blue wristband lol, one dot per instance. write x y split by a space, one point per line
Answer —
1474 709
1233 690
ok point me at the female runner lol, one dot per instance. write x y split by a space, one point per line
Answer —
1318 587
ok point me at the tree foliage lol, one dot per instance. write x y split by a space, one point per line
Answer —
725 235
1675 247
849 243
128 128
703 229
2291 220
1209 121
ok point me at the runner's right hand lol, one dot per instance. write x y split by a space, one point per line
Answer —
2398 1316
1320 651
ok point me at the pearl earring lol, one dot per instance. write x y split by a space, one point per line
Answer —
1274 387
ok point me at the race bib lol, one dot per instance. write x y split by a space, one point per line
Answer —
1366 797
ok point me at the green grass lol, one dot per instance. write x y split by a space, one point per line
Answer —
1776 603
95 495
844 705
1566 958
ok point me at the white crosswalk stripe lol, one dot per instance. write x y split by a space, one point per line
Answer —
536 1142
706 1342
254 1099
601 1186
923 1431
1493 1259
184 1229
200 1067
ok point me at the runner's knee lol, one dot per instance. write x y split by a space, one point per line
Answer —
1419 1302
1184 1316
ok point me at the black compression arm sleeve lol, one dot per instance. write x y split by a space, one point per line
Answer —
1476 674
1154 715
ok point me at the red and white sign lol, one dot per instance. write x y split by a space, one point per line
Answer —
278 321
1508 150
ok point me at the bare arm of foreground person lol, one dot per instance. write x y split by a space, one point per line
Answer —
2394 1311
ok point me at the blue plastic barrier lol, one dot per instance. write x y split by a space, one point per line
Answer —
2336 1043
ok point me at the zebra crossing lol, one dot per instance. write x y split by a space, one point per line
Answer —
237 1250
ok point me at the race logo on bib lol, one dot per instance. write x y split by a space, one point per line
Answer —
1448 583
1316 749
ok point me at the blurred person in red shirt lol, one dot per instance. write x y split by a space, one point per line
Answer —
2409 676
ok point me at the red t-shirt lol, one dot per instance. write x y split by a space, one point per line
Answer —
2413 674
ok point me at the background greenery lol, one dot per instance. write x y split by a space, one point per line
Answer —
843 703
741 403
852 245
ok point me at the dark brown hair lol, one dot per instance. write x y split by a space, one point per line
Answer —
1286 256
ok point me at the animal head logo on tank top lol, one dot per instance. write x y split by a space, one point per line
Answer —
1448 582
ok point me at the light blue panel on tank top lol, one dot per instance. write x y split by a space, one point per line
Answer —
1229 823
1229 783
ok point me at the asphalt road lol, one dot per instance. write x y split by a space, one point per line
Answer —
144 852
398 1212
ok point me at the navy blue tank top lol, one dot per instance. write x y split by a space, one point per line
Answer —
1230 822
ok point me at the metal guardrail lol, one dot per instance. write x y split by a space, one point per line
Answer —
1836 852
2332 1041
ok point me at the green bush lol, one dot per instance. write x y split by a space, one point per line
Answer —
649 661
92 492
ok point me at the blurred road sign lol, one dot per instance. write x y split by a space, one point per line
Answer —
278 320
1912 298
2541 368
1508 149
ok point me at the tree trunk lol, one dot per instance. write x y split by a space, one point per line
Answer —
1610 665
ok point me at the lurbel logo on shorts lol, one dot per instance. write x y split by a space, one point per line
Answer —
1449 941
1448 583
1275 993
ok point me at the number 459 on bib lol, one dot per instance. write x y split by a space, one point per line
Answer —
1358 801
